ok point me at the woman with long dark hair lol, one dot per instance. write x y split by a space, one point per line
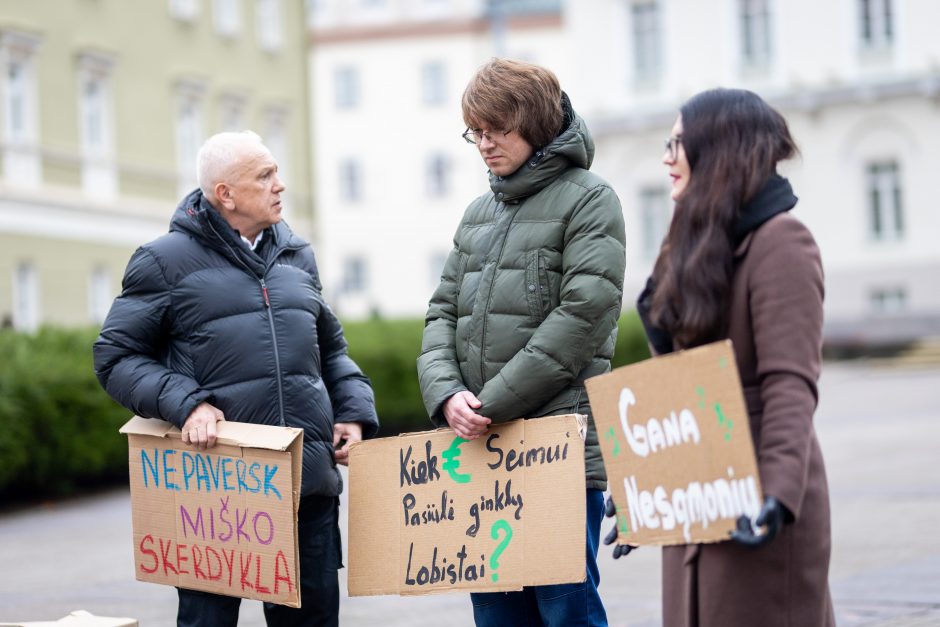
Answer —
735 264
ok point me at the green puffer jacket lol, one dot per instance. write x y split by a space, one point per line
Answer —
530 295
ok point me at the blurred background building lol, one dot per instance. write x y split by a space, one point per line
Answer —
393 174
859 81
104 104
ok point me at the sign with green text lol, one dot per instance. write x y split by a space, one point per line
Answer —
677 446
431 512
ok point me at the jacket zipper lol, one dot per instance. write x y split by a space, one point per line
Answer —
267 306
489 294
277 356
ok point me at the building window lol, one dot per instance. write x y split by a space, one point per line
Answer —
184 10
232 112
876 23
99 294
274 132
25 297
756 46
350 182
346 82
228 17
270 35
438 168
888 300
22 165
355 279
655 214
96 125
885 207
189 134
433 85
646 40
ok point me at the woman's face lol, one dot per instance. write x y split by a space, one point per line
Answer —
675 160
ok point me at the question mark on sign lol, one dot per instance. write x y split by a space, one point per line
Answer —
494 533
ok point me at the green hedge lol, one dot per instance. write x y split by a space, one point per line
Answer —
59 430
387 350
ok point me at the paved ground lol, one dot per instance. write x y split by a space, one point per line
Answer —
879 425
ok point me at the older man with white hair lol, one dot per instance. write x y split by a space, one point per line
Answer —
223 318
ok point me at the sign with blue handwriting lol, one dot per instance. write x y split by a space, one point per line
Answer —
223 519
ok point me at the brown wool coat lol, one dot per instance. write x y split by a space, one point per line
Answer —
776 317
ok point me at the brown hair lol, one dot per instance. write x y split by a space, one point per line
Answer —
733 141
513 95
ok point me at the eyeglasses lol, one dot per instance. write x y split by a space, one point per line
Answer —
672 147
475 135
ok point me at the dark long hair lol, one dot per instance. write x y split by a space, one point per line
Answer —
733 141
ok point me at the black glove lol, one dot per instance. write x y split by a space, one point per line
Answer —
610 511
772 517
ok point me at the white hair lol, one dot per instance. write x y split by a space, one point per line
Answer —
219 153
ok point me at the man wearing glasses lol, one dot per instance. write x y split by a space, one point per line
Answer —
529 298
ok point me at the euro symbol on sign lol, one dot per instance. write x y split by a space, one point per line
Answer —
452 463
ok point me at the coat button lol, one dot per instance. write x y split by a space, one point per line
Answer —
531 287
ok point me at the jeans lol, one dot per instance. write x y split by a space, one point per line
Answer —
561 605
320 559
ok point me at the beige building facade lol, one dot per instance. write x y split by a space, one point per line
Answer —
103 105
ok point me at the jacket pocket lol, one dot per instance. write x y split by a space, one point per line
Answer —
537 286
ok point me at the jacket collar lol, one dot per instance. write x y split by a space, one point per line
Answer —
775 197
572 147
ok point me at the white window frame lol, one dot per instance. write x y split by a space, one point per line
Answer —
756 32
437 175
184 10
876 24
96 125
888 300
22 162
346 87
350 181
647 34
100 293
26 297
227 15
885 200
433 83
355 276
275 132
190 132
268 15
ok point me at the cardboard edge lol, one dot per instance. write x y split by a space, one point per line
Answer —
240 434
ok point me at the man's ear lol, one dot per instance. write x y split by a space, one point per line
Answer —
224 195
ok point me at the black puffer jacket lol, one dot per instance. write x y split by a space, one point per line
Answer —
203 318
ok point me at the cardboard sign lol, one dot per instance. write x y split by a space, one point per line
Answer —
431 512
220 520
677 446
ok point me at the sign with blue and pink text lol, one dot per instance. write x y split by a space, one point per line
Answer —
222 519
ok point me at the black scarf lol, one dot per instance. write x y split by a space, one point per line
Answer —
776 196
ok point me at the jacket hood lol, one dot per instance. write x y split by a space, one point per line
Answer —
572 147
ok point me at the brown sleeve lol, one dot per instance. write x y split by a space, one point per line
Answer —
786 303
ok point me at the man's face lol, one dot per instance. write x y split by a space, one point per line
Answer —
503 152
256 191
